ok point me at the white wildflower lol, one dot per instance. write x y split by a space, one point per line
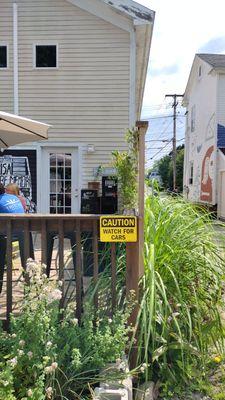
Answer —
56 294
60 283
13 361
48 370
54 366
29 393
49 344
110 320
30 354
49 392
20 352
44 276
6 383
74 321
143 367
175 314
22 343
13 335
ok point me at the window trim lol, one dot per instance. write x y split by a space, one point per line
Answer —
46 43
4 44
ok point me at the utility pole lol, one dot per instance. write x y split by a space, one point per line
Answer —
175 103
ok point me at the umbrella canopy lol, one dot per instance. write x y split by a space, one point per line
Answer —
16 130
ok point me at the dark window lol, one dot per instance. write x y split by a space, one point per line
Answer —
193 117
191 173
3 56
46 56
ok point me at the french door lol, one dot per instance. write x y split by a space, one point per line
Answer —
61 194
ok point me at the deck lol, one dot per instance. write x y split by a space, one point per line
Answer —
68 232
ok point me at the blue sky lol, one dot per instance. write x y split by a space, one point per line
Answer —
182 29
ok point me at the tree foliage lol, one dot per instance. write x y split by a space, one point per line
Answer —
165 169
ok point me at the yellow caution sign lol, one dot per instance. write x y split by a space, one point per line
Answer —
118 228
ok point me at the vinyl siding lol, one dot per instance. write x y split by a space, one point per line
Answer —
221 100
86 99
6 37
203 136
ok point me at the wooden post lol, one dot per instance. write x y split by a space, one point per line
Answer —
135 251
142 129
9 274
135 261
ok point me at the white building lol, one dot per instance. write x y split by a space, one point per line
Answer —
204 164
80 66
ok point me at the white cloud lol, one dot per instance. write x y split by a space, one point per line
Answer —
181 29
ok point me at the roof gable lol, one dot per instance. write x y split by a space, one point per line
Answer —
136 19
136 11
215 60
122 13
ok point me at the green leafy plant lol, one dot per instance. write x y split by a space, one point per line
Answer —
179 321
126 164
48 355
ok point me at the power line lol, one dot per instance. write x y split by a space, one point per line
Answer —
155 140
163 116
162 148
175 104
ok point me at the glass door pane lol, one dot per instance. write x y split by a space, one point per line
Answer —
60 176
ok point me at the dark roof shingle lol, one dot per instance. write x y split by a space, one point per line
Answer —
133 9
215 60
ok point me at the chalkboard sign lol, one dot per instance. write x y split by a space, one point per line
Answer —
19 166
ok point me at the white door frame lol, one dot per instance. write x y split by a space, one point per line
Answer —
42 179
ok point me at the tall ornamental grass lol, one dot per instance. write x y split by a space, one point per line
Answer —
179 322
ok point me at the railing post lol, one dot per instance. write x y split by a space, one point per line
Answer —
61 249
9 274
113 276
95 255
78 272
44 241
26 242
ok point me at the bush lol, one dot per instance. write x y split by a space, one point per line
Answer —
48 355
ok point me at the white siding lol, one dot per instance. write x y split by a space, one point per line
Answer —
203 95
6 37
87 98
221 184
221 100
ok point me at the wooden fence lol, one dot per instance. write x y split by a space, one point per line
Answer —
62 226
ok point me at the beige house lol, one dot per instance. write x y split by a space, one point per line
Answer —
79 65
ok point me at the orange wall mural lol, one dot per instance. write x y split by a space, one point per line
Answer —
207 176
